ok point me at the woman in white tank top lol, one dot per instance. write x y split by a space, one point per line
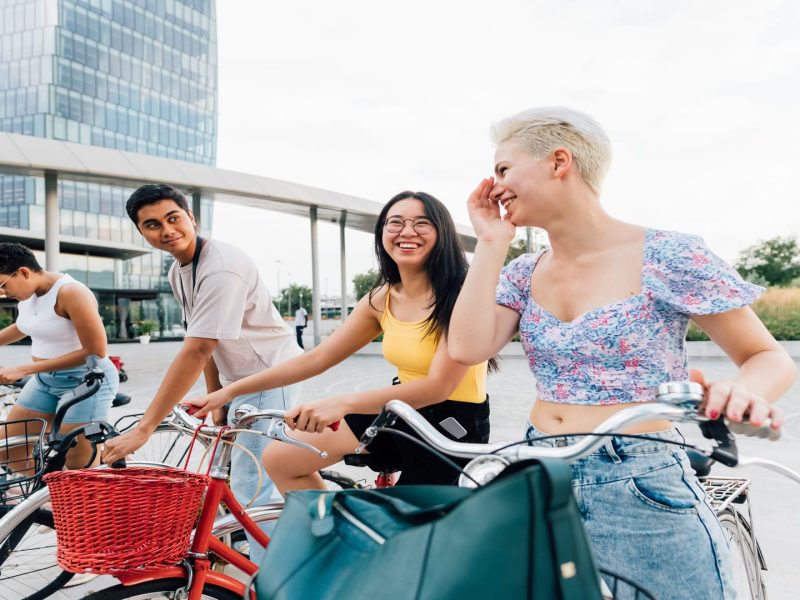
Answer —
60 316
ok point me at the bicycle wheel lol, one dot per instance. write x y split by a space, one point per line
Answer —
160 588
28 568
744 555
168 444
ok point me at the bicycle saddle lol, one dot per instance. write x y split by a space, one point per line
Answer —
376 463
121 400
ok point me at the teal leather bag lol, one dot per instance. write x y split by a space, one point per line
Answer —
520 536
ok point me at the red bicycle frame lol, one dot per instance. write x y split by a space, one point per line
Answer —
204 542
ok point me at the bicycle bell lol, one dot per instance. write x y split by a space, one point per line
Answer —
680 392
482 469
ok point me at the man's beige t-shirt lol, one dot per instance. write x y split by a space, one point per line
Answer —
230 303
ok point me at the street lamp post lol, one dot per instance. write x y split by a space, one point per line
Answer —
289 291
278 291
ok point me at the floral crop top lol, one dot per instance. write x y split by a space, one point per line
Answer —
620 352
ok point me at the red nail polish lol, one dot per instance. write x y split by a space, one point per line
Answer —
713 415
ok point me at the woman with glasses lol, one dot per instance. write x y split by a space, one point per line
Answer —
60 316
422 268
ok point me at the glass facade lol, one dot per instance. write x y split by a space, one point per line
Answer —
134 75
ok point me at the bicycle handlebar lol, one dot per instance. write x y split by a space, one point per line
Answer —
675 401
86 389
629 416
244 417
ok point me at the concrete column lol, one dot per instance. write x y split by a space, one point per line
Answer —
52 222
196 207
316 311
528 240
343 263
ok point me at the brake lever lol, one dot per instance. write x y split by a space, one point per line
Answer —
384 419
717 430
277 431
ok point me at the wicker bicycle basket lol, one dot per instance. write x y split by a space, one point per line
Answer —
22 460
120 520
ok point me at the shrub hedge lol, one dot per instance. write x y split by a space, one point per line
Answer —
778 309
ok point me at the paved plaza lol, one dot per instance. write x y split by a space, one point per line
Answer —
775 499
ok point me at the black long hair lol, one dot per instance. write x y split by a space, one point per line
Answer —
446 265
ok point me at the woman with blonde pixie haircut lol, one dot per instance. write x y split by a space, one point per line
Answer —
602 316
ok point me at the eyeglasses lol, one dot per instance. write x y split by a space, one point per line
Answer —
2 285
396 225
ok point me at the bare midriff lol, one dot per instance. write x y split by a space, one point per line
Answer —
553 418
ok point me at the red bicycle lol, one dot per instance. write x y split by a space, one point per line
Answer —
196 576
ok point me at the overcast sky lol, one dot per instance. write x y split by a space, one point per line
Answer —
371 98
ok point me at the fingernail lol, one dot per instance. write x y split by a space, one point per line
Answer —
735 416
713 414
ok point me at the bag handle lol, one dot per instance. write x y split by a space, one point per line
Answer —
561 522
407 502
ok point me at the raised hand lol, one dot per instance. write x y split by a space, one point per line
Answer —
484 212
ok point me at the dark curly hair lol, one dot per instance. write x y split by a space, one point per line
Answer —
14 255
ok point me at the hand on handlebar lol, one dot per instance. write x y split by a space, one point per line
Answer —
200 407
12 374
124 445
317 416
736 403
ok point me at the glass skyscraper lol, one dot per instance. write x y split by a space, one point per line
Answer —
139 76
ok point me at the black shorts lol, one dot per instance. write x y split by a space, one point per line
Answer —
389 452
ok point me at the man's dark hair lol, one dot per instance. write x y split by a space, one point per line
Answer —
150 194
14 255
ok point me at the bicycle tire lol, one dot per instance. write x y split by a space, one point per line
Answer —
160 588
744 555
167 444
28 567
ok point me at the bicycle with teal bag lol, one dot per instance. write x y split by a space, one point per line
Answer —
511 530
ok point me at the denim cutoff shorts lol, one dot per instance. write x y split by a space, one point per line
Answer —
647 517
45 392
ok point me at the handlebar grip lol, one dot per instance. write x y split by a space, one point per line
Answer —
335 425
764 431
190 409
117 464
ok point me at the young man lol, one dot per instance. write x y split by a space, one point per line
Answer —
232 329
300 322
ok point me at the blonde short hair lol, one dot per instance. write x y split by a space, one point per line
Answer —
542 130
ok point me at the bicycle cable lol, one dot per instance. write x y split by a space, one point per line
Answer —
684 444
440 455
249 454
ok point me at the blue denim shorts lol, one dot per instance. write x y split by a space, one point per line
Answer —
244 471
44 392
647 517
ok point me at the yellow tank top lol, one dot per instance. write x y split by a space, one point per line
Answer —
406 346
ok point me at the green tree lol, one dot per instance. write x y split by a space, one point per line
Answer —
363 283
294 293
774 262
517 248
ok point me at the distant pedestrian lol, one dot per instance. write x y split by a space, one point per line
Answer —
300 323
